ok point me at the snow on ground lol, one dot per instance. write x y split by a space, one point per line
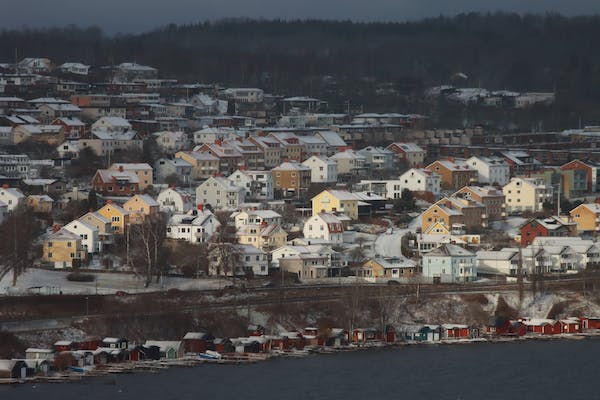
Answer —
510 225
55 281
389 244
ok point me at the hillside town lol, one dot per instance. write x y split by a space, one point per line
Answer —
112 174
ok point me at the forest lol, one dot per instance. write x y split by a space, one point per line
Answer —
337 60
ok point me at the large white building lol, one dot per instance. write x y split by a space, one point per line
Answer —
259 185
90 238
450 264
421 180
195 226
219 192
325 226
322 170
175 200
526 194
491 170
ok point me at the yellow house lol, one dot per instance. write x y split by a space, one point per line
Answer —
262 236
139 207
143 171
118 217
40 203
384 268
336 201
587 217
439 214
63 249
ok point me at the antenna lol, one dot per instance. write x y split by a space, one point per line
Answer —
16 62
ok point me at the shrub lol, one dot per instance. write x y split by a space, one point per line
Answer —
79 277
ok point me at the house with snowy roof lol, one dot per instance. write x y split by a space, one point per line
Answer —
450 263
409 153
454 174
219 192
111 182
587 217
63 249
326 226
195 226
336 201
350 162
175 200
140 207
90 238
322 169
259 184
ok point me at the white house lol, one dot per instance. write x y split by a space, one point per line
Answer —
449 264
322 170
112 124
220 192
74 68
350 162
421 180
195 226
334 258
256 217
259 185
172 141
499 262
325 226
90 238
13 198
526 194
491 170
175 200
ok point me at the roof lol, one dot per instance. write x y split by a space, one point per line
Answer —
110 175
291 166
449 250
131 166
332 138
407 147
504 254
197 335
343 195
348 154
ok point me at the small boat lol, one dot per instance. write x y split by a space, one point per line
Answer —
77 369
210 355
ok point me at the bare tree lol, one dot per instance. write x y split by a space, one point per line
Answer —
16 251
148 253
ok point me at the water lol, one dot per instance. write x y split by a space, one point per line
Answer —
526 370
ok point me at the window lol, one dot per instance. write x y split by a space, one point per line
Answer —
49 255
49 244
69 244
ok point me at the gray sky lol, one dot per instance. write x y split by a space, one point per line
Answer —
141 15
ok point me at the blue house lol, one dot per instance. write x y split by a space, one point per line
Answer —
450 263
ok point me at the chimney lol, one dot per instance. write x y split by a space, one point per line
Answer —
5 186
263 223
218 142
55 228
254 208
109 201
200 207
121 169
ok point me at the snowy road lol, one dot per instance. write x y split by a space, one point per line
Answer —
389 244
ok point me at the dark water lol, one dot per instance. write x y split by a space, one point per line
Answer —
532 370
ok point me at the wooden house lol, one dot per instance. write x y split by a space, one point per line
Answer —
13 369
223 345
198 342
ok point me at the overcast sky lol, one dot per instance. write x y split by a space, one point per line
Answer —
141 15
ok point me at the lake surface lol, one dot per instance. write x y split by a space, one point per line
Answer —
565 369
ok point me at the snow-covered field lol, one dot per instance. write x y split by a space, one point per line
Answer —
389 244
54 282
510 225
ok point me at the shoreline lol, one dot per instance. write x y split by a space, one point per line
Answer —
192 361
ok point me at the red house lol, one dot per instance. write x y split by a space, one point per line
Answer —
198 342
362 335
223 345
590 323
255 330
456 331
64 345
88 344
74 128
552 226
505 327
119 182
570 325
540 326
